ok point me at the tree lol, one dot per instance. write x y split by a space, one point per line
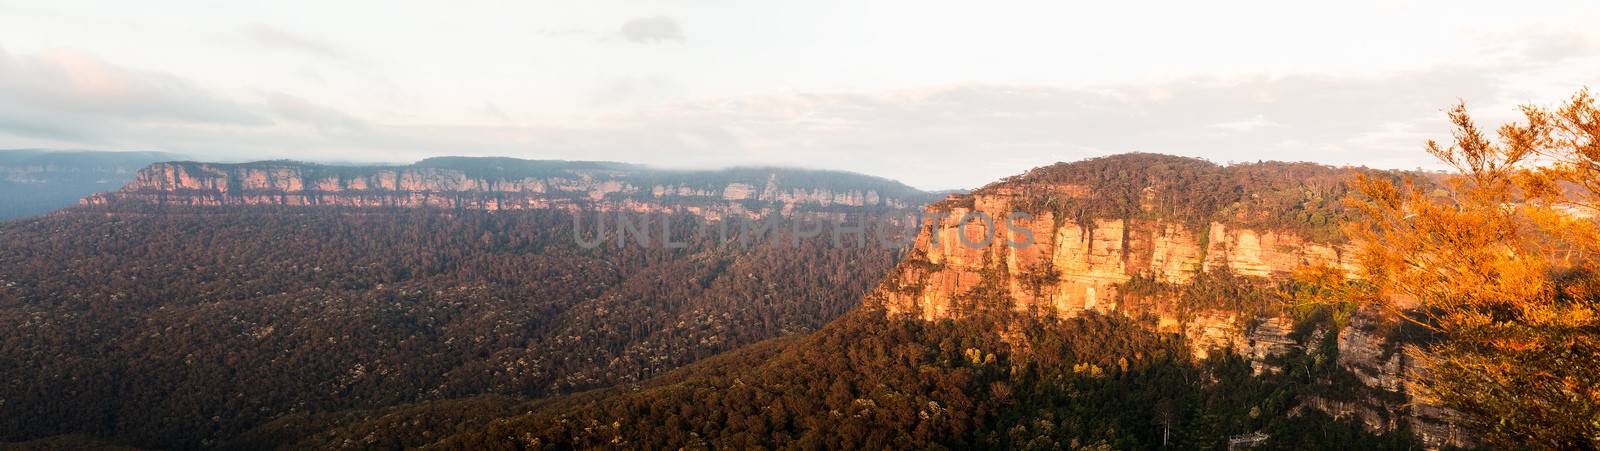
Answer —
1163 415
1503 268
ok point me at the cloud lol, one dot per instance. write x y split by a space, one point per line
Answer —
493 111
69 94
322 118
945 136
962 135
651 30
1539 46
968 134
278 38
1246 125
566 32
632 90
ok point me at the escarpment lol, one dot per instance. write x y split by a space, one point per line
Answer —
1097 235
1072 267
1045 264
1193 248
509 184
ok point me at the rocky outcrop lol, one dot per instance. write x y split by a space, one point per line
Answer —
1064 267
1380 363
508 184
1047 263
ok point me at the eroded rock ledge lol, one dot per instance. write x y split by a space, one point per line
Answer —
1075 266
509 184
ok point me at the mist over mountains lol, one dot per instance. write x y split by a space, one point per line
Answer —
37 181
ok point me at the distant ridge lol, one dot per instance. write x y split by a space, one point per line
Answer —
35 181
498 183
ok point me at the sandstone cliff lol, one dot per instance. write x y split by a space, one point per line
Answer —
1072 267
1097 234
509 184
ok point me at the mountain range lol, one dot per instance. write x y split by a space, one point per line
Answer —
444 304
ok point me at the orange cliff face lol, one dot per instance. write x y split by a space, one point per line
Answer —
507 185
1100 226
1071 267
1080 258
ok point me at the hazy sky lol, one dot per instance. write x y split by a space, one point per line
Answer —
935 94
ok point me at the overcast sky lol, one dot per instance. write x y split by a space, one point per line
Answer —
935 94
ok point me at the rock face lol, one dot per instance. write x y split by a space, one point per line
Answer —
1062 267
509 184
975 256
1383 364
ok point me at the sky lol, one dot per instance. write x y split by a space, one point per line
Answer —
935 94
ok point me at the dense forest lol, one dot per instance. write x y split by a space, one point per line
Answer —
315 327
382 328
184 327
1305 198
871 382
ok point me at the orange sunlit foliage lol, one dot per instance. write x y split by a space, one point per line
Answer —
1503 268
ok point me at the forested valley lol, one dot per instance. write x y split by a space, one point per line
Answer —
180 328
319 327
